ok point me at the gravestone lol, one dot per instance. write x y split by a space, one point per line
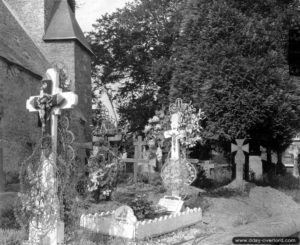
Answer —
123 223
177 173
239 148
255 167
295 153
49 104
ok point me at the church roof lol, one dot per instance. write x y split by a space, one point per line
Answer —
63 26
16 46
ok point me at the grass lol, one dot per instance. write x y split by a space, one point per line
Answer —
11 237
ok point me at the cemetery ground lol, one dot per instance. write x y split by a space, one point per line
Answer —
224 210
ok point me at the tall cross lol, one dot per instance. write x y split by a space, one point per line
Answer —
175 134
239 157
49 104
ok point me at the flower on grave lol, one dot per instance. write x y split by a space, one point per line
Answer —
147 128
155 119
106 192
158 126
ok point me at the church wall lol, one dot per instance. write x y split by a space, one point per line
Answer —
83 82
19 127
31 14
34 15
62 52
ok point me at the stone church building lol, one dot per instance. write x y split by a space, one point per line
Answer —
36 35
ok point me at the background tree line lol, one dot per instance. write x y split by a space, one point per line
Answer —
228 57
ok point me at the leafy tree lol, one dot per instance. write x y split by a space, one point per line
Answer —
130 45
231 61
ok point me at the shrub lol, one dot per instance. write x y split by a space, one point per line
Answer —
286 181
8 219
142 208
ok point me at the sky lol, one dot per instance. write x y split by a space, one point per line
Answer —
90 10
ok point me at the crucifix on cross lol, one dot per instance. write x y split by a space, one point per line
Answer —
49 104
175 134
239 148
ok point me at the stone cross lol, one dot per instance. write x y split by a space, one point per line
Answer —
239 157
295 152
49 104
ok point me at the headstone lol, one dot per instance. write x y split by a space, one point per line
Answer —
239 148
263 154
255 167
171 203
49 104
295 152
123 223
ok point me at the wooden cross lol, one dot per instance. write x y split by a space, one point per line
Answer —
239 157
49 104
138 148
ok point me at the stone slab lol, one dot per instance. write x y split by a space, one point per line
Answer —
255 166
171 203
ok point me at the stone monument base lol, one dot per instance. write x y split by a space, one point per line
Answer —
53 237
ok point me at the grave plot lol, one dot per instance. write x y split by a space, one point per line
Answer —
177 174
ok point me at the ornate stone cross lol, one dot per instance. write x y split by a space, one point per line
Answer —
49 104
239 157
177 173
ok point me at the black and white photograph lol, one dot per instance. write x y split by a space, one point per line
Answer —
149 122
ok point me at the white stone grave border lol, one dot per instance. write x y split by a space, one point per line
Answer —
102 223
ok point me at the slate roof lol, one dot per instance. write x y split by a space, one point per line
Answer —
16 46
64 26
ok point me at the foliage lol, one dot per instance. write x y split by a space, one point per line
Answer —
285 182
8 219
231 61
131 45
37 197
228 57
142 208
189 124
104 168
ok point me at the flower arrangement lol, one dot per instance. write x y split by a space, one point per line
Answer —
189 123
104 167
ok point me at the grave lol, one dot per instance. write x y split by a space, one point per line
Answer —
49 104
255 168
177 173
239 148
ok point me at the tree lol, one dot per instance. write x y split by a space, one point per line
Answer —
130 45
231 61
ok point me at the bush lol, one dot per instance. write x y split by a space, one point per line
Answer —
286 181
142 208
8 219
